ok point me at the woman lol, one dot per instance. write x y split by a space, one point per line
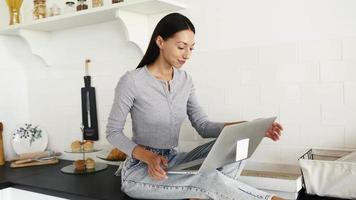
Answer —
159 96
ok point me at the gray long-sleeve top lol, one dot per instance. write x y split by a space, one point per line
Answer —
156 112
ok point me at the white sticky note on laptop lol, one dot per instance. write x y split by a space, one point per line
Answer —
242 149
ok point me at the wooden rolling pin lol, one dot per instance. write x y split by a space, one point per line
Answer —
33 160
34 163
36 155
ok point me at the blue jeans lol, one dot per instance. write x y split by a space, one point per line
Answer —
221 184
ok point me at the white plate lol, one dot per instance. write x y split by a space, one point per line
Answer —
29 138
104 156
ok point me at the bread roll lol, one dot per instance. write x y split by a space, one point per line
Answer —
116 155
76 146
90 163
79 165
88 145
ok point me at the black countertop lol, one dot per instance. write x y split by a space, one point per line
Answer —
48 179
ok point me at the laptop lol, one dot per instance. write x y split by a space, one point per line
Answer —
235 143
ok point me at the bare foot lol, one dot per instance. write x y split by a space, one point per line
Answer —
276 198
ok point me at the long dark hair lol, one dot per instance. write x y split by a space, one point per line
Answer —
166 28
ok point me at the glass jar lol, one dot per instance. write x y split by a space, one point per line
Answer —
39 9
97 3
54 10
70 7
117 1
82 5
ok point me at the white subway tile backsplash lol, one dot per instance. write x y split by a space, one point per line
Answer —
310 93
297 73
333 114
39 97
350 72
349 49
283 53
224 113
319 50
228 58
350 95
332 93
332 71
242 94
258 74
37 73
210 95
322 136
109 68
351 114
230 77
350 135
338 71
62 124
218 73
14 94
103 112
277 93
104 97
302 114
244 56
328 93
251 111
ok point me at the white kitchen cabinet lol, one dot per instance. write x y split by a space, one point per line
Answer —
17 194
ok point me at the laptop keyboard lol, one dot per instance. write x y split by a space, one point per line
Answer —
195 167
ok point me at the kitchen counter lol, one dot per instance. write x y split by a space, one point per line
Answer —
48 179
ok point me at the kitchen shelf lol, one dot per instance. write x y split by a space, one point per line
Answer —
133 13
94 16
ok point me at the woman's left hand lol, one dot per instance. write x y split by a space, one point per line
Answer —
274 132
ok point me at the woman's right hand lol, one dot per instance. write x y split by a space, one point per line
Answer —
156 163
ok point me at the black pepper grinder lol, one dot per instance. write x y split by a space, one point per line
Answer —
89 115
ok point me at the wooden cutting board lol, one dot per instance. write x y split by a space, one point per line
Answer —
34 163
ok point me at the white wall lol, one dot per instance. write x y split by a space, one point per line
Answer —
13 86
309 85
293 59
230 24
55 91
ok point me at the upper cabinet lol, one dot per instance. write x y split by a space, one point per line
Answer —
133 13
